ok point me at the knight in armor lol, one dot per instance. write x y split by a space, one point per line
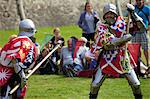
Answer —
112 60
15 57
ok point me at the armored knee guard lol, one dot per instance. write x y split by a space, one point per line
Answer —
98 79
93 96
135 84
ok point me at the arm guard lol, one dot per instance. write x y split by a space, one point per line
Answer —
117 41
29 58
19 69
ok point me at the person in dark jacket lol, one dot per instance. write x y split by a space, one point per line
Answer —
54 41
87 22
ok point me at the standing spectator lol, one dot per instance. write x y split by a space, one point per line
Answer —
16 56
142 37
87 22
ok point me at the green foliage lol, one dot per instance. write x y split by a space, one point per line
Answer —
60 87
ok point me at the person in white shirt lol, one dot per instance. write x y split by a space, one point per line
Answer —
72 60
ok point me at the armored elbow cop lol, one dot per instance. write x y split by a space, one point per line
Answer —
118 41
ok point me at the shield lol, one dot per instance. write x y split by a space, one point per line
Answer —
5 74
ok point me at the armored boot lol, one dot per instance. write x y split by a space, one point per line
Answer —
138 96
93 96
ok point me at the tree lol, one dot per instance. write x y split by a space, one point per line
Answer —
20 9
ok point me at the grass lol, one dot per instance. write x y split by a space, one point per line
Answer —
60 87
66 31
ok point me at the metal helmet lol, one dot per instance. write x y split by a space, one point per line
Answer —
109 8
27 28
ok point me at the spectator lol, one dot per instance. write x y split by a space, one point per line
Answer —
22 53
87 22
79 52
48 67
84 41
54 41
71 60
139 36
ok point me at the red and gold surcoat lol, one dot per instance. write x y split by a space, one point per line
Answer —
19 48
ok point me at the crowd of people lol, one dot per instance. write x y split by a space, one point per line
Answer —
106 54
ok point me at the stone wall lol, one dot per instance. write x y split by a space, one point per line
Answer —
8 14
45 12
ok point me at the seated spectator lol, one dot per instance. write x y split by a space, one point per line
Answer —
48 67
72 58
54 41
84 41
55 57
